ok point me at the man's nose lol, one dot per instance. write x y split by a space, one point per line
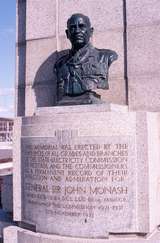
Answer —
77 29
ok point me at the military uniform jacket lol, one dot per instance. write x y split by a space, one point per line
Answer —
86 70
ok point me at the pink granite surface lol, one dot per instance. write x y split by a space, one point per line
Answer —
143 33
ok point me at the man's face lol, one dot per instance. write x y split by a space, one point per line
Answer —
79 31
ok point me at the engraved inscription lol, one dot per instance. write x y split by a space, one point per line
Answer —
78 179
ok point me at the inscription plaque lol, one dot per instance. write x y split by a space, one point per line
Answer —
85 182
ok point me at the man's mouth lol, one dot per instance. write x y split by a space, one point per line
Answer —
79 37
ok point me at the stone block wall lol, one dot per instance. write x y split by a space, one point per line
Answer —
131 28
41 33
143 34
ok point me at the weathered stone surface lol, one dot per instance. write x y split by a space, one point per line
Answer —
143 12
40 59
18 235
88 204
40 19
143 66
100 12
142 51
143 95
40 81
114 94
42 111
142 54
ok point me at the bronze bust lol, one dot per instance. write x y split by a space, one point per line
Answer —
84 68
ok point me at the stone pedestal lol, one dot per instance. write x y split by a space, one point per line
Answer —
87 171
15 234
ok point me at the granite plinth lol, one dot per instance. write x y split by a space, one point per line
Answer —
17 235
89 173
84 99
49 111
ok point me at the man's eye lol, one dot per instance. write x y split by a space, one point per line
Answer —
72 26
81 25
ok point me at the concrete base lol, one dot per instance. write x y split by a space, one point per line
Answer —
15 234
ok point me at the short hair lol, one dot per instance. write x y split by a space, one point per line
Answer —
87 20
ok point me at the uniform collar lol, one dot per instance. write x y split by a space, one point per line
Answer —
80 55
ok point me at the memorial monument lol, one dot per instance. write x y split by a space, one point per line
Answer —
85 170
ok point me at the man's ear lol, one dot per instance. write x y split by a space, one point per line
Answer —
91 31
67 33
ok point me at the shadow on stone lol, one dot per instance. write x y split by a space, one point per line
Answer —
45 82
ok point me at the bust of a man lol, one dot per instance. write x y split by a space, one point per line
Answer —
84 69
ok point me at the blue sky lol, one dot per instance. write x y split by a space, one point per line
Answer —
7 57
